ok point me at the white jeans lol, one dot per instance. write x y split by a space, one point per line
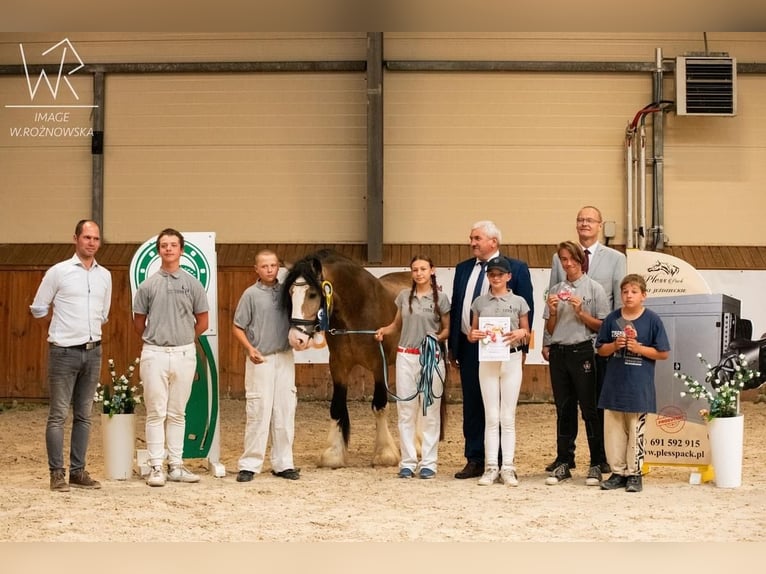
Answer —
167 374
500 383
271 400
407 378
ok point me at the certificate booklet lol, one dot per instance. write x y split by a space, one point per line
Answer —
492 347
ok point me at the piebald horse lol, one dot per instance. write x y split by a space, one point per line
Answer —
332 299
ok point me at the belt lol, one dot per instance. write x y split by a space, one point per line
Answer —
582 346
409 350
84 347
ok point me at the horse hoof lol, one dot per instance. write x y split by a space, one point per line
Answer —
332 459
385 459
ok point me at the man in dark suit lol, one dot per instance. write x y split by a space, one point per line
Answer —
469 283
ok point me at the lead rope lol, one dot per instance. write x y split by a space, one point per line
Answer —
429 363
427 350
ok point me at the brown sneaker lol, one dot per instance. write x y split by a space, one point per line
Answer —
81 479
58 480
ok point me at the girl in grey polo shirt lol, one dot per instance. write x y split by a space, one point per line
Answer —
500 380
421 311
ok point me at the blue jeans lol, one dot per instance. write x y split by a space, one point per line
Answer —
73 375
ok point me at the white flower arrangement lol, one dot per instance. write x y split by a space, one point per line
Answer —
119 397
723 384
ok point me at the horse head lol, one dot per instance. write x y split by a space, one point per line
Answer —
306 302
667 268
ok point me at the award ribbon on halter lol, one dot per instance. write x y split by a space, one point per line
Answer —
326 310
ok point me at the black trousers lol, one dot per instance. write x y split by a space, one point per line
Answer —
573 379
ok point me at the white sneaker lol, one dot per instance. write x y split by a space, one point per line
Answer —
156 477
182 474
490 476
508 477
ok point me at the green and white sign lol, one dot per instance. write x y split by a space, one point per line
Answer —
199 260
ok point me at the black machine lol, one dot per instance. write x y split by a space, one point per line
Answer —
754 353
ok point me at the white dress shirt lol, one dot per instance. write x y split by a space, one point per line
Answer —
81 299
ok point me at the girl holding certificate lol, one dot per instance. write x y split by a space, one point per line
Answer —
500 325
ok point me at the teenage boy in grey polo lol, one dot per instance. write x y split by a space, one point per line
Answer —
261 326
170 310
573 314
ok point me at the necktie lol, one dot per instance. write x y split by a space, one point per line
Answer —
586 264
479 281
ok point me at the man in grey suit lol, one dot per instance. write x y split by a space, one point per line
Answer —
607 266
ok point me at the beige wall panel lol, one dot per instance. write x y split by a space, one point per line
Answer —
132 47
236 109
715 173
255 158
569 46
45 160
43 193
526 150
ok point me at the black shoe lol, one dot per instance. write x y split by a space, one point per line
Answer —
635 484
605 468
288 473
245 476
613 482
559 475
472 469
594 476
556 463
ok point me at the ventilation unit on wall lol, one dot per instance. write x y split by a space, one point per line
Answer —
706 86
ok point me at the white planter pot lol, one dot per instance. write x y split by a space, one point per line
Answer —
726 438
118 433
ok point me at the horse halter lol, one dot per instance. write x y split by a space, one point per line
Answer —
309 327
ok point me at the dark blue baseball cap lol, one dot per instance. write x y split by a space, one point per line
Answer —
500 263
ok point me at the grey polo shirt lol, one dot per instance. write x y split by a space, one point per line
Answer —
421 321
570 330
508 305
170 302
260 315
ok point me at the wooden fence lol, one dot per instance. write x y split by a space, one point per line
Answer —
23 347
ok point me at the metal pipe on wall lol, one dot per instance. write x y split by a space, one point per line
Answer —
629 241
658 165
375 147
641 168
97 152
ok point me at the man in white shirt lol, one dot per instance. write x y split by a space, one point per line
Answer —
80 291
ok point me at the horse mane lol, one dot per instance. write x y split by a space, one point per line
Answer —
310 268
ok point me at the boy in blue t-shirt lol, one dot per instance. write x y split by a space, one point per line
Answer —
635 338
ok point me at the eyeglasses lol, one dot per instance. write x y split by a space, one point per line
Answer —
588 220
